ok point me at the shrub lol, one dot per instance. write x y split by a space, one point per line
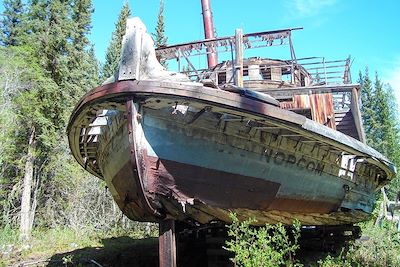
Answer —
269 245
379 247
382 248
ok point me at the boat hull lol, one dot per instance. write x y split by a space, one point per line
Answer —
189 159
201 180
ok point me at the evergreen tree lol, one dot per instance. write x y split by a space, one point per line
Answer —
160 38
113 54
37 19
387 134
382 112
41 79
392 136
81 16
55 71
33 133
91 77
379 113
368 105
13 29
82 65
57 35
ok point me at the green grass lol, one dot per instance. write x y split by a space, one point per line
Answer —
46 243
8 236
381 249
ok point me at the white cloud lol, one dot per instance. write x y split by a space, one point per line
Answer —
308 8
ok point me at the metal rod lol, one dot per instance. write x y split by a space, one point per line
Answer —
328 72
167 244
323 62
293 59
266 34
179 60
320 62
232 64
327 67
190 65
209 32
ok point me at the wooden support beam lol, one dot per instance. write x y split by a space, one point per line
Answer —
239 57
167 243
355 110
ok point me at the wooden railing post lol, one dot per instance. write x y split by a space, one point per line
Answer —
239 57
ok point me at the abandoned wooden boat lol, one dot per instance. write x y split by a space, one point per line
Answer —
238 137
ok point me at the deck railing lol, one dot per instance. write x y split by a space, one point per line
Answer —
320 71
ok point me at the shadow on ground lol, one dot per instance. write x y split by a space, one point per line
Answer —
126 251
118 251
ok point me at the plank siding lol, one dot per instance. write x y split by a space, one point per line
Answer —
321 106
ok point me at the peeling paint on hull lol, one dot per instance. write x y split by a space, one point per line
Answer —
179 155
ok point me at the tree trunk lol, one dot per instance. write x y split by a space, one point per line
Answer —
36 185
26 225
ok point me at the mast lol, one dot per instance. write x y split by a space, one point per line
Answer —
212 57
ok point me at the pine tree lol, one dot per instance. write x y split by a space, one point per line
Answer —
387 134
55 71
92 73
160 38
379 113
377 109
41 80
59 33
81 16
82 65
13 28
368 103
37 17
33 104
381 116
392 136
113 54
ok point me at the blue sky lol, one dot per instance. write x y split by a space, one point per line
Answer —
369 31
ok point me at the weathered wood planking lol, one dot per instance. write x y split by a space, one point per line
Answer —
320 105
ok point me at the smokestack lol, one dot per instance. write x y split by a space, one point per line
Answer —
212 57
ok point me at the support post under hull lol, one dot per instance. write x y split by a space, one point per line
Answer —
167 243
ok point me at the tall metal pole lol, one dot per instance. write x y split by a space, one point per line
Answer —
212 57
